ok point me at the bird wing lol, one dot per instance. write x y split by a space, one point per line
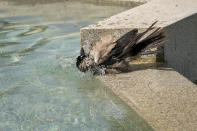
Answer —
155 39
123 42
136 38
133 44
101 49
108 51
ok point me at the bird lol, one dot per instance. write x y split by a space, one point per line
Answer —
110 55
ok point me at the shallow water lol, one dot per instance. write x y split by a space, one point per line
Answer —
40 88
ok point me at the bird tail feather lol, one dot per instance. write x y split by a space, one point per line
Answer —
149 44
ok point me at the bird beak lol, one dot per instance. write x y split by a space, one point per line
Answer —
82 52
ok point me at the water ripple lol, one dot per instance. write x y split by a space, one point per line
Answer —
40 86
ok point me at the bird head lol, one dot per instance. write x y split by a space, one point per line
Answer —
80 58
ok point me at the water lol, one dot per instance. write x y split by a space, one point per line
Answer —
40 88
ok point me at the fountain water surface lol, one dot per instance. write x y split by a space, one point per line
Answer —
40 87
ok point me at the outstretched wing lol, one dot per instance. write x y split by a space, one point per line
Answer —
155 39
123 42
132 44
129 47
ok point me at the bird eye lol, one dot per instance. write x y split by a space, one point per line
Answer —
87 63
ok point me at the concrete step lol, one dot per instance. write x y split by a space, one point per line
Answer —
163 97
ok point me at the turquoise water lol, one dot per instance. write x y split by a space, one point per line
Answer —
40 88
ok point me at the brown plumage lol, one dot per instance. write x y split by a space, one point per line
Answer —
109 53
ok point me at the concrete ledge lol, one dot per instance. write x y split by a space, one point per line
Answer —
119 2
163 97
165 11
181 50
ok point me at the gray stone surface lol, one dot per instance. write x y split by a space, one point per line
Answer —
165 11
163 97
181 50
